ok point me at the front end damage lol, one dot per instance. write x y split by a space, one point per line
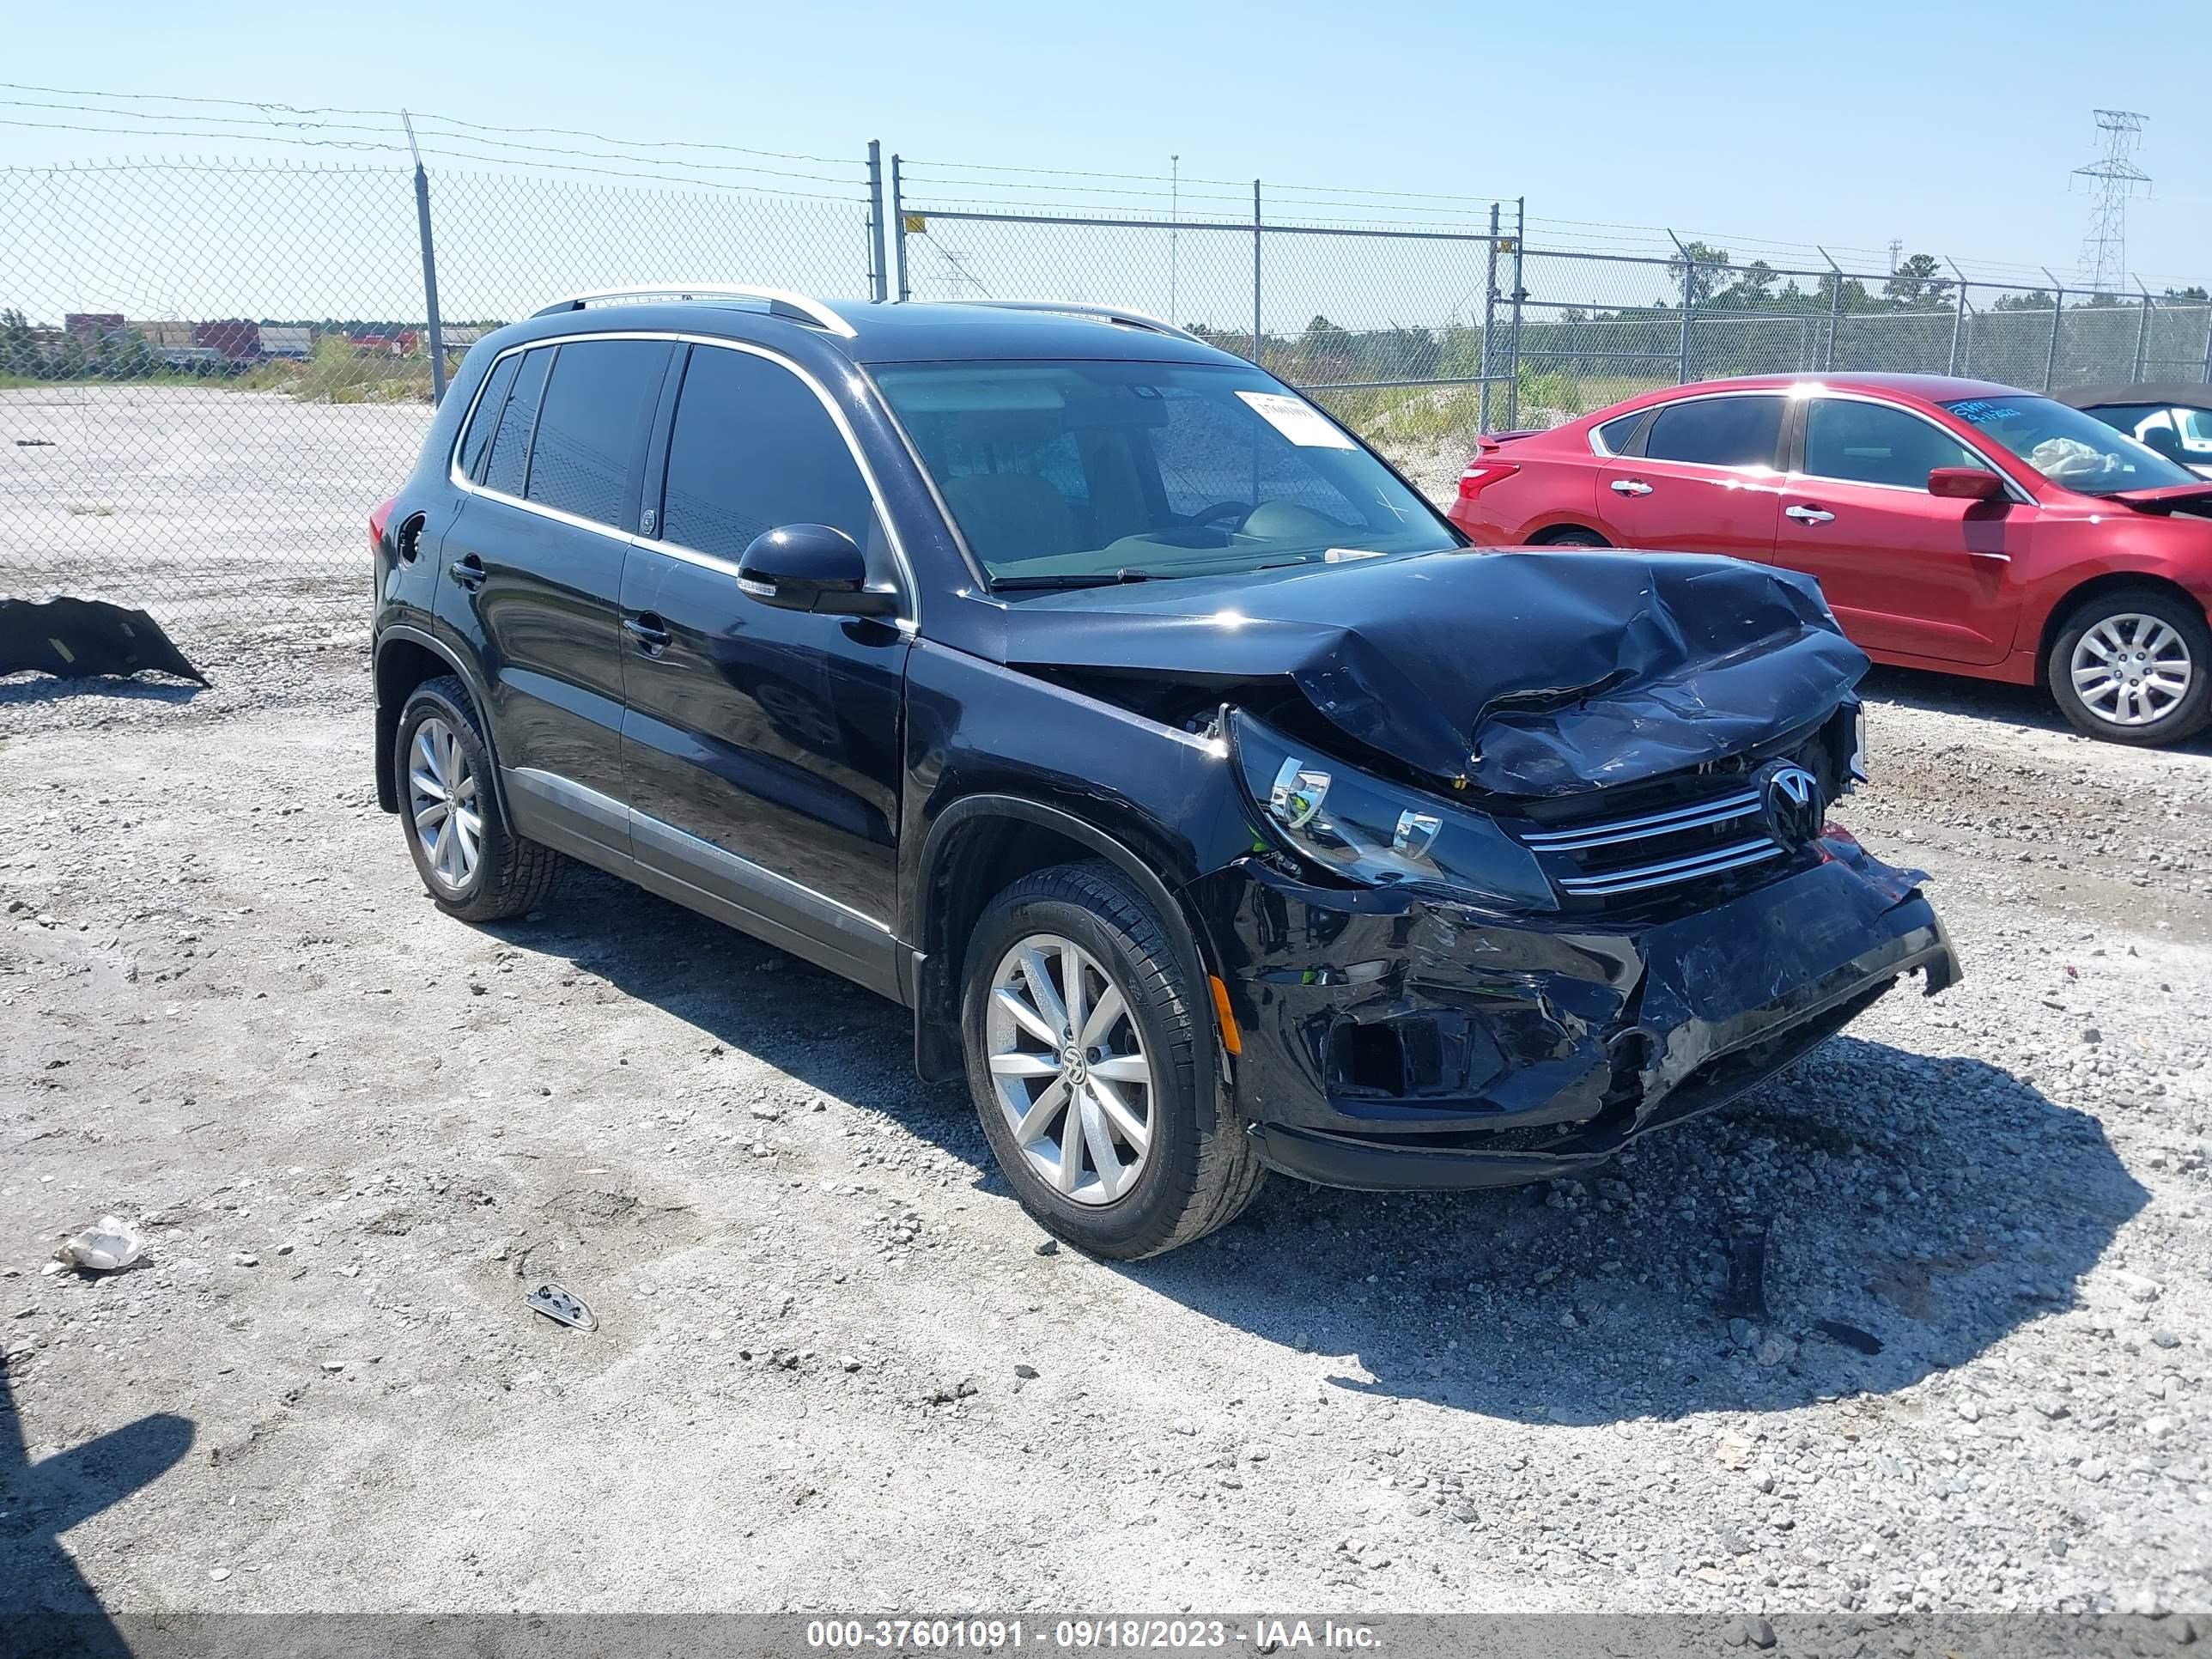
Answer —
1530 852
1394 1039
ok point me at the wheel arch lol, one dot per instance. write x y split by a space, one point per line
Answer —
2111 581
406 657
1551 533
977 847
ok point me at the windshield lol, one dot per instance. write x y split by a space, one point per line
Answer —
1066 473
2069 447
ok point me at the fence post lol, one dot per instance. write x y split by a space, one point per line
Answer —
879 278
1489 317
1958 317
1255 271
2142 332
2058 311
2207 380
1689 306
898 226
1835 309
1520 292
429 268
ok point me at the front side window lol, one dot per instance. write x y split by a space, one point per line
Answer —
2069 447
1077 472
592 430
1871 443
1739 431
753 449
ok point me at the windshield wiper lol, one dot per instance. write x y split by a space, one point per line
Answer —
1095 579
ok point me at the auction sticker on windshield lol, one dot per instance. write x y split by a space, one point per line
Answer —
1297 420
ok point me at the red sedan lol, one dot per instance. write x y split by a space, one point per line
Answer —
1953 524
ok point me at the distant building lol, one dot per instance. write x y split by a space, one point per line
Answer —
286 340
237 339
160 332
90 325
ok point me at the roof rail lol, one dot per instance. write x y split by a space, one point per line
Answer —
1120 314
781 302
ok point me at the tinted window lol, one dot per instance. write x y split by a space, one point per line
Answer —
592 431
484 419
753 448
1716 432
1612 437
1867 443
510 445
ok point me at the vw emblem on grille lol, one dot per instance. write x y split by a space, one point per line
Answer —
1790 801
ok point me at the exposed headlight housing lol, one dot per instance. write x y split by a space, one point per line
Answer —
1367 829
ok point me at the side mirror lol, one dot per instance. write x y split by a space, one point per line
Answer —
1965 483
812 566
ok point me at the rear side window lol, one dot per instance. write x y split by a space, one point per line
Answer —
1716 432
483 420
1869 443
592 430
510 440
753 448
1612 437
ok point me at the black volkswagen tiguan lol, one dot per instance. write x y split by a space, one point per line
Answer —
1079 686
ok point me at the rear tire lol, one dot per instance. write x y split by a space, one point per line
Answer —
1574 538
1152 1166
470 861
2133 665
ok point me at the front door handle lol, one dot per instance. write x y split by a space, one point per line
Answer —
1807 515
469 571
1630 487
650 632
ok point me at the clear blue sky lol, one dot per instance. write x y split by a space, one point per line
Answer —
1950 123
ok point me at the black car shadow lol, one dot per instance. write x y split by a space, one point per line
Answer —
45 1602
1932 1205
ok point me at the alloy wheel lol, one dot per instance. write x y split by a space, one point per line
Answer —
1069 1070
442 800
2132 669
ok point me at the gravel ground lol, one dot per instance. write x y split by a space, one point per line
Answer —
836 1366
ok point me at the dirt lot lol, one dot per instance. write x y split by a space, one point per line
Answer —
833 1367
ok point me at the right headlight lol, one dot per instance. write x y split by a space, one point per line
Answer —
1369 829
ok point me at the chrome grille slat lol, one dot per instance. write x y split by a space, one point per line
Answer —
1586 837
1669 873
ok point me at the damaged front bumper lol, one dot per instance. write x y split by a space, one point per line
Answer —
1395 1040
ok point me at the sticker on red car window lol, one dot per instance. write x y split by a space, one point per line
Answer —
1297 420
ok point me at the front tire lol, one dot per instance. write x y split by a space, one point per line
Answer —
1087 1050
471 863
2134 665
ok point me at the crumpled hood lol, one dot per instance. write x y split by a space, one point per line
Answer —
1526 672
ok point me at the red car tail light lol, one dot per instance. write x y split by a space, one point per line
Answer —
378 518
1480 475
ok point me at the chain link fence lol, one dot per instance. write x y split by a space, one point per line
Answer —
209 372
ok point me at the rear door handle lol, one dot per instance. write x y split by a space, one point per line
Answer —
1807 515
650 632
469 571
1630 487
